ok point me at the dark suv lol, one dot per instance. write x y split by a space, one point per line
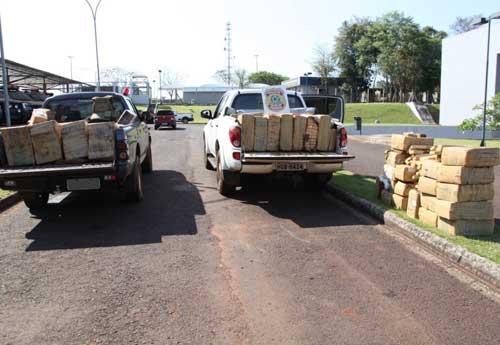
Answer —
165 118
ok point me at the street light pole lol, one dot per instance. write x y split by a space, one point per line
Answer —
5 90
159 84
94 15
154 89
256 62
485 104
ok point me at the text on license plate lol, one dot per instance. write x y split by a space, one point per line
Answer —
83 184
291 166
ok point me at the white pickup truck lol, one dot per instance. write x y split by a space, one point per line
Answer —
222 141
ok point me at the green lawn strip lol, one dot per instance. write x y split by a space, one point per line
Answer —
467 142
364 187
4 193
386 113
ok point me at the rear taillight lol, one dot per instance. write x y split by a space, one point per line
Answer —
343 137
235 136
237 156
122 147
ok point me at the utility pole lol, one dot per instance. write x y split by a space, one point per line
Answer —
256 62
94 16
228 50
5 82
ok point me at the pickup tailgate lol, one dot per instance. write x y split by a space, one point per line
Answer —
57 170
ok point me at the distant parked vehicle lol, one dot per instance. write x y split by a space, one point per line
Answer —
183 117
165 118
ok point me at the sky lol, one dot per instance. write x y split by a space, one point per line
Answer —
187 37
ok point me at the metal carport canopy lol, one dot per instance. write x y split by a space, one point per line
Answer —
22 75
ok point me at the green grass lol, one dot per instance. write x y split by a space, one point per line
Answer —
4 193
386 113
193 109
467 142
364 187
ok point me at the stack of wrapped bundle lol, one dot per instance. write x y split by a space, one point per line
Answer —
465 190
402 163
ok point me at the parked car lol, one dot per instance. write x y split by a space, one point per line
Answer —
165 118
124 173
224 153
183 117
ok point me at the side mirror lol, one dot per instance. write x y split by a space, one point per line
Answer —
206 114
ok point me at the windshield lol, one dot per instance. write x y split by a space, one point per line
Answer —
253 101
74 109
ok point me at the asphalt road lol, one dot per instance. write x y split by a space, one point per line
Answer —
370 162
188 266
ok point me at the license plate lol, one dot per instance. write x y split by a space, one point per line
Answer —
83 184
291 166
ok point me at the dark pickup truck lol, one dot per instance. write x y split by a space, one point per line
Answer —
132 156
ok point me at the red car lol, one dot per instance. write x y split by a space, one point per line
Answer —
165 118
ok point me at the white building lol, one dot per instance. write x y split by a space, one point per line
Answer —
463 72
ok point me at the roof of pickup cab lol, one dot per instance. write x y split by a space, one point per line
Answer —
84 95
240 91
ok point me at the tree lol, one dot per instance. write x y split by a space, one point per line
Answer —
222 77
355 54
463 24
264 77
170 80
492 116
241 78
323 64
116 74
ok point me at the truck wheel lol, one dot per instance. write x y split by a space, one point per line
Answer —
185 120
156 128
134 184
207 163
222 186
147 164
35 201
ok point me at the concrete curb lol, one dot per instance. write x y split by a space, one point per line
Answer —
9 201
480 267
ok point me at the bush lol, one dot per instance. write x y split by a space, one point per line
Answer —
492 116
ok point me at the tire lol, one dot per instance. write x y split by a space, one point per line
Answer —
156 128
222 186
185 120
174 126
206 162
134 187
147 164
35 201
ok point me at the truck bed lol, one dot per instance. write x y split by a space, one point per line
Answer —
58 169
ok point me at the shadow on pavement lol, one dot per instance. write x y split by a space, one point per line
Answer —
306 208
101 219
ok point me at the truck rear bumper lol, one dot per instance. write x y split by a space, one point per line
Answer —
266 162
54 177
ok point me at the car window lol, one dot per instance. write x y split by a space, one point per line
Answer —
165 112
74 109
248 101
220 107
294 101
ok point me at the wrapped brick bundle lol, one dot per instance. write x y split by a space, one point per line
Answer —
46 142
324 124
311 135
273 132
286 132
247 122
299 131
74 140
260 142
101 141
18 145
